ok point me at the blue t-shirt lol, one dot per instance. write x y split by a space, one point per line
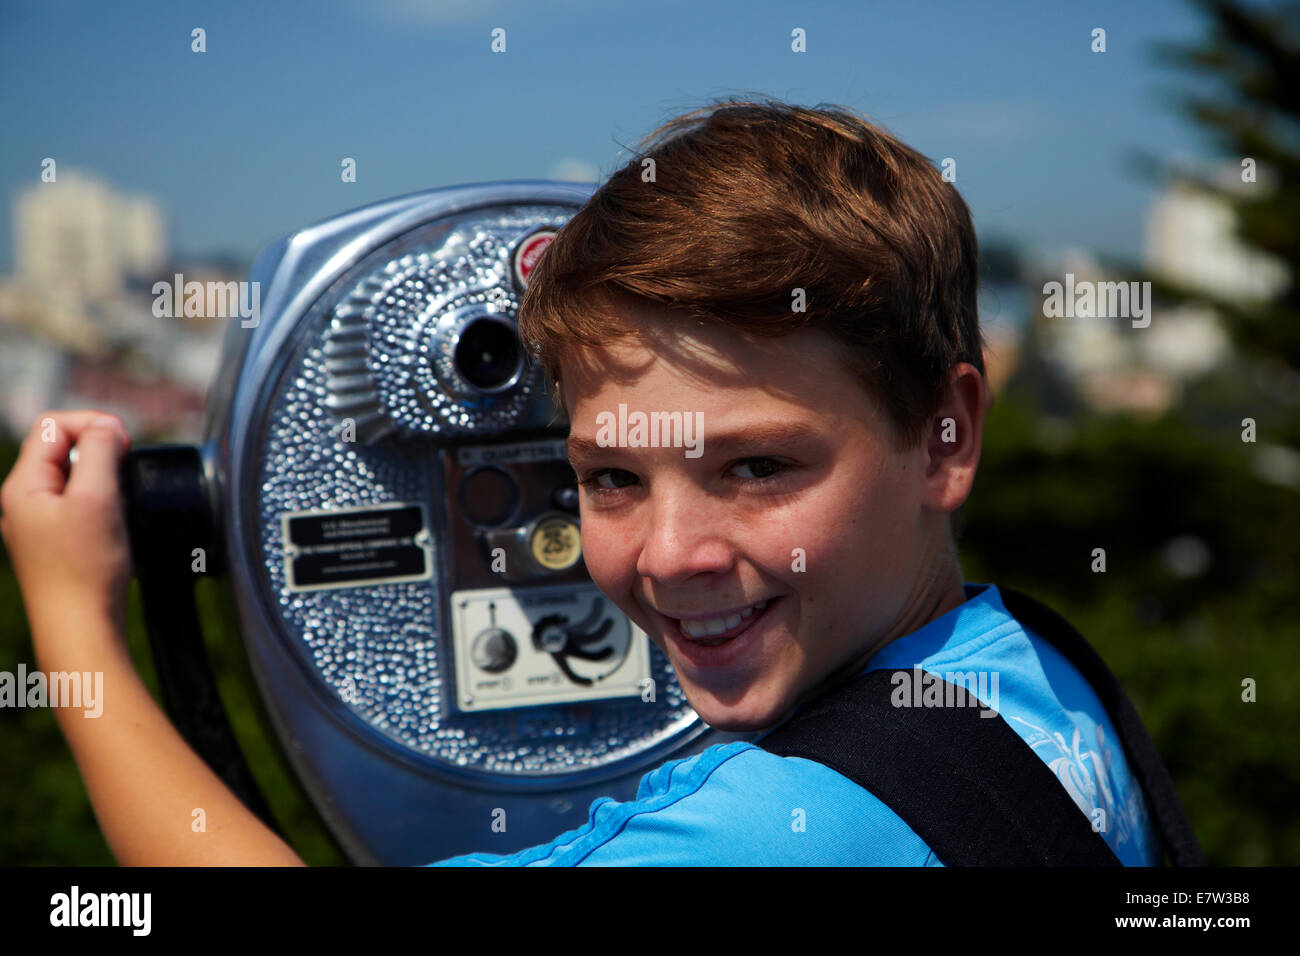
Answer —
736 804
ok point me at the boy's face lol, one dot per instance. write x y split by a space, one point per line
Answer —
797 498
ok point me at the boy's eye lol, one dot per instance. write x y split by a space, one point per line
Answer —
601 480
760 468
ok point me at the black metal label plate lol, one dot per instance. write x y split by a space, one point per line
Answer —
352 547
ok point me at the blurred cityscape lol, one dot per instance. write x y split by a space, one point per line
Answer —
77 321
79 326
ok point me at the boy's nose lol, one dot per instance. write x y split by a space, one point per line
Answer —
681 541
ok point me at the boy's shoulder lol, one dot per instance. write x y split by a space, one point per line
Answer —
732 804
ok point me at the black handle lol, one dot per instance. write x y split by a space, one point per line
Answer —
168 516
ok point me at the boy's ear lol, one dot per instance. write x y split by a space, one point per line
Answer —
953 440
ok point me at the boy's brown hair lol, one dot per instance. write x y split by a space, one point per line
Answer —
745 203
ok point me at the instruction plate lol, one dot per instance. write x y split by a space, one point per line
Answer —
351 547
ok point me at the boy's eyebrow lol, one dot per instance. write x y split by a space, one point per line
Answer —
765 433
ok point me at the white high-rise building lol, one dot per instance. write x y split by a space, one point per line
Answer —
78 234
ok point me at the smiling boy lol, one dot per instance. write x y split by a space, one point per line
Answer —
802 285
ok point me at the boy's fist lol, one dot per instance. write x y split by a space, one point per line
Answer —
64 526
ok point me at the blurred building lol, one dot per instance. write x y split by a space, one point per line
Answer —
79 233
77 323
1190 240
1099 357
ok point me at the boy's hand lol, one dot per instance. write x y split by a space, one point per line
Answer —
66 533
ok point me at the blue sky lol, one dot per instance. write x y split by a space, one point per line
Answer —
242 144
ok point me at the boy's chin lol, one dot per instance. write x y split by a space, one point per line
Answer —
736 718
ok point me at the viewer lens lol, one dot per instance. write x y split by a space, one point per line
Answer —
488 354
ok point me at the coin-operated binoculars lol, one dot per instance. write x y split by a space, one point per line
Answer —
384 481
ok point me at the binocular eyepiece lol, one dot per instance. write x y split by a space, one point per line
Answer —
486 355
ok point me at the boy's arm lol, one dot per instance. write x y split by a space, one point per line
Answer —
66 537
144 780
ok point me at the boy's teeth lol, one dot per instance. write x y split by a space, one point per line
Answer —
718 625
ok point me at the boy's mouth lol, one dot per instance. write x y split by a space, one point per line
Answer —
719 628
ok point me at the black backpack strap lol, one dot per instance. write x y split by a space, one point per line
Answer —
967 785
1144 761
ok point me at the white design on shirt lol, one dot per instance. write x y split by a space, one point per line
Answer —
1086 777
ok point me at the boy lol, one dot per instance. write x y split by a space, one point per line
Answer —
804 285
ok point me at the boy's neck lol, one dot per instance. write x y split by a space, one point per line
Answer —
938 590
